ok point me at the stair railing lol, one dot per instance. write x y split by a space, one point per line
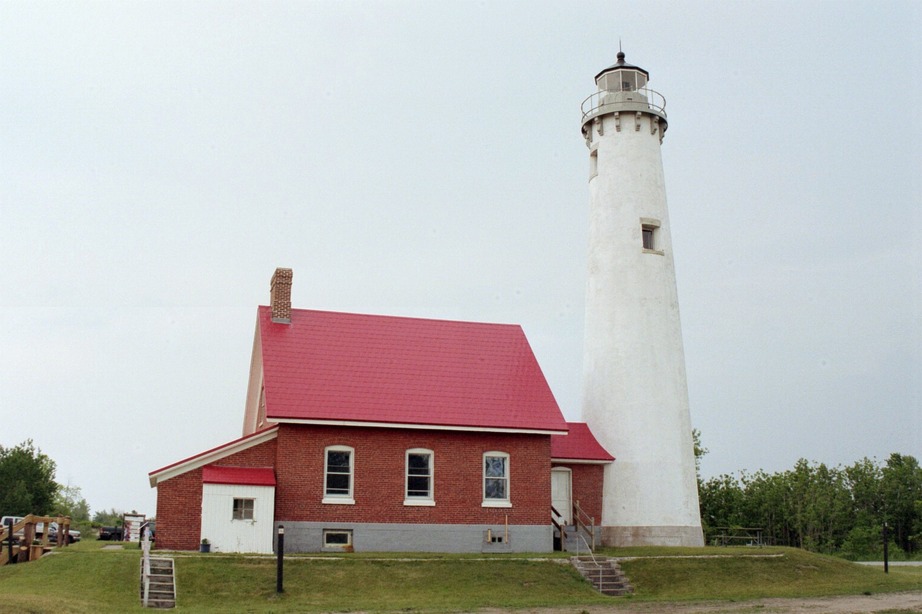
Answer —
145 566
584 522
21 536
558 521
598 565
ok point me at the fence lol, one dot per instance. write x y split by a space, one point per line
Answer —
27 539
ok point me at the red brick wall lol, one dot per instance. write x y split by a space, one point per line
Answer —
379 474
587 487
379 468
179 511
179 499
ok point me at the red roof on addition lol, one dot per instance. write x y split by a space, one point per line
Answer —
352 368
210 456
579 445
250 476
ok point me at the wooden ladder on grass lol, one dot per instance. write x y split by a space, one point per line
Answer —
159 583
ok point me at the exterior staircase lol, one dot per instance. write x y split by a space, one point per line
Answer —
573 541
162 591
604 573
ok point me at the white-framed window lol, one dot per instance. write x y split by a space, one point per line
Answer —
650 235
420 471
496 480
337 539
337 474
243 509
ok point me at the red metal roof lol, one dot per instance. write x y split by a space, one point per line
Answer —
578 445
209 456
250 476
341 367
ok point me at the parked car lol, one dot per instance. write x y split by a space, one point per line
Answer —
73 535
110 533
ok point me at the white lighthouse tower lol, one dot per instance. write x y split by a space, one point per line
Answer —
635 396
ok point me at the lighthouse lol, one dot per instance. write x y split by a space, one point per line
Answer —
635 395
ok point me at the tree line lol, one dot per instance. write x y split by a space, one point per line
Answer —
832 510
28 486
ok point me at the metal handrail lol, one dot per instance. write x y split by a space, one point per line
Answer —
578 515
594 103
592 556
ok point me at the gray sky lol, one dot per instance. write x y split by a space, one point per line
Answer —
159 160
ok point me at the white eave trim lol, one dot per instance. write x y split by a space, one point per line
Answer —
210 456
578 461
428 427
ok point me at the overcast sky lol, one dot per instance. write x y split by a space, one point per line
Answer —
159 160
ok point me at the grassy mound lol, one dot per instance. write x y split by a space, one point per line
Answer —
85 579
750 573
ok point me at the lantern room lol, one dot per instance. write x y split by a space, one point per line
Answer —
622 77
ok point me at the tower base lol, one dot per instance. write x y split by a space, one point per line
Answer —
652 536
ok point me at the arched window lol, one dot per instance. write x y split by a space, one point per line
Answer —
420 477
496 480
338 472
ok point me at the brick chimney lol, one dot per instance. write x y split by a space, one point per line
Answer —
280 293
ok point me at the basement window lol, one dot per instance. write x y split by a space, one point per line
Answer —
337 539
243 509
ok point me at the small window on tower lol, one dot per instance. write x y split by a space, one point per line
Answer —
593 163
649 233
648 242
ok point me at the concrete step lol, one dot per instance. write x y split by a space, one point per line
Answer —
604 574
163 604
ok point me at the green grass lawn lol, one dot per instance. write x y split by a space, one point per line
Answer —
746 573
86 579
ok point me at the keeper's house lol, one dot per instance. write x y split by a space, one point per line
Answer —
379 433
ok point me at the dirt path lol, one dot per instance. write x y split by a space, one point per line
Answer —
848 604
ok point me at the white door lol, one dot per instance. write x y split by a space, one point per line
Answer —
561 498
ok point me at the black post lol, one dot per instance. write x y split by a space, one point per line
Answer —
886 549
280 557
9 526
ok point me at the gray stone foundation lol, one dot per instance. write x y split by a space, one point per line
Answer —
372 537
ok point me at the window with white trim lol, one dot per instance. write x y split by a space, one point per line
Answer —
338 474
419 477
243 509
496 479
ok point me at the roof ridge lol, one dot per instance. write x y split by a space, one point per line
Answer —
396 317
